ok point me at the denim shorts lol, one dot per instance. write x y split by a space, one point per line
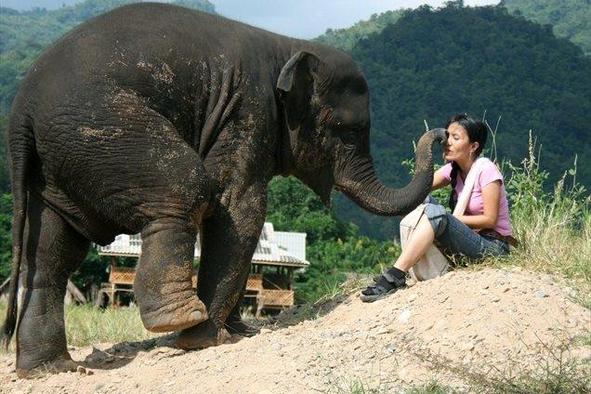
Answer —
455 238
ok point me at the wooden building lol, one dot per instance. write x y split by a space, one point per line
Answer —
277 256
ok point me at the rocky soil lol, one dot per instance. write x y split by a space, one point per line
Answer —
463 330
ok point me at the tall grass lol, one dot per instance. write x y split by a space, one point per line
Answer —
553 227
86 324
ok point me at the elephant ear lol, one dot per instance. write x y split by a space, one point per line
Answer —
296 84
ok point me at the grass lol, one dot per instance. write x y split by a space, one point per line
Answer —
86 324
553 228
431 387
556 371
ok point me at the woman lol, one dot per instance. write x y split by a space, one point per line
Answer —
484 228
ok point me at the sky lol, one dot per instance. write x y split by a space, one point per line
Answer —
289 17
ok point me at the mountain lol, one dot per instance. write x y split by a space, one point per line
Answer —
570 19
431 64
346 38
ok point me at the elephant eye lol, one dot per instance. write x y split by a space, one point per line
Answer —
349 137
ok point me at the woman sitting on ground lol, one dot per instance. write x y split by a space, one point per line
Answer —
484 229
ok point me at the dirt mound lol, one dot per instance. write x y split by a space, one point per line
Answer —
457 330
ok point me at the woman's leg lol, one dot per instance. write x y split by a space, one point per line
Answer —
451 234
418 244
430 224
459 239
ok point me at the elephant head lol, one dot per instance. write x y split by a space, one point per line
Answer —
326 141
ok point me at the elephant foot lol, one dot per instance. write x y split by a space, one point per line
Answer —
174 316
61 364
239 327
202 336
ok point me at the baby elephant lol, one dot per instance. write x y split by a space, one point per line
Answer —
157 119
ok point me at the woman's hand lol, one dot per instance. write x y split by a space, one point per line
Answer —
491 196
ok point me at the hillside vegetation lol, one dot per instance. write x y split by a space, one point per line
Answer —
347 38
570 19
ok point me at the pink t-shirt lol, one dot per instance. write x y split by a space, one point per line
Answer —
489 173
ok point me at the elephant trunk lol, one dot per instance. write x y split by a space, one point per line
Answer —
359 182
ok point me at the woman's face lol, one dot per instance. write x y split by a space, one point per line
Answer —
459 148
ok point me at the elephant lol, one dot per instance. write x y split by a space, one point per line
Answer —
169 122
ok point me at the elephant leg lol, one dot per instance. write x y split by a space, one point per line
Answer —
52 251
163 284
235 324
144 177
228 242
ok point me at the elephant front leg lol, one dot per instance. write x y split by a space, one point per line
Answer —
162 284
228 242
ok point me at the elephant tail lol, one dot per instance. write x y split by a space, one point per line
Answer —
21 151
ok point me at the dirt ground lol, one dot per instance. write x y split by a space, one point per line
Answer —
463 328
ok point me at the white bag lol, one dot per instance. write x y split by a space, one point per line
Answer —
434 263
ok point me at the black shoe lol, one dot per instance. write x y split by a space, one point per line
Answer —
383 285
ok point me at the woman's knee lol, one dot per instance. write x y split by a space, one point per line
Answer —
437 216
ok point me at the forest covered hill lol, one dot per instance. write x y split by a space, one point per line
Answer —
570 19
348 37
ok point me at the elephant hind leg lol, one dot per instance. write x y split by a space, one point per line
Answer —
52 251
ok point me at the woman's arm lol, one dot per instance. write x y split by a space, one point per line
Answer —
439 180
491 196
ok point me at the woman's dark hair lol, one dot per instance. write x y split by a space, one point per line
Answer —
477 132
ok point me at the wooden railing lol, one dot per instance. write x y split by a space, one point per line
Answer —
121 280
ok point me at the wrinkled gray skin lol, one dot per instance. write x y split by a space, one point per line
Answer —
166 121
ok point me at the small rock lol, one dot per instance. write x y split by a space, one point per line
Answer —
569 291
265 331
404 315
541 293
390 348
495 299
385 330
506 289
